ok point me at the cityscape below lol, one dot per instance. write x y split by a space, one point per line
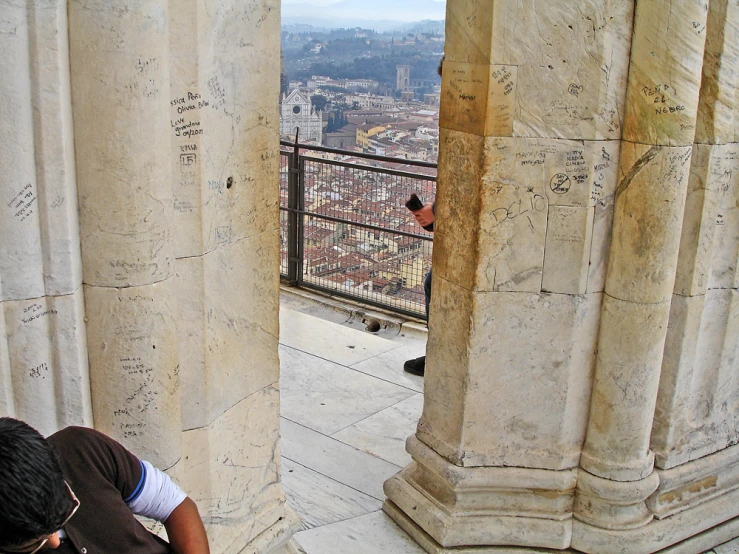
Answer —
357 235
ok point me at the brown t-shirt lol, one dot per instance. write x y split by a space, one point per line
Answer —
102 473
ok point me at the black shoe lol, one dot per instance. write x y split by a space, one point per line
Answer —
417 366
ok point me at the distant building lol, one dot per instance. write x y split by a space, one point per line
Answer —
369 101
365 132
318 81
344 138
296 111
431 99
403 81
361 84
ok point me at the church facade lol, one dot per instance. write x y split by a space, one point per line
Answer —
296 111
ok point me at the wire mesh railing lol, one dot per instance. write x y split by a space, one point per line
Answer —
344 227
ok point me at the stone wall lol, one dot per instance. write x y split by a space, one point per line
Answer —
139 241
581 386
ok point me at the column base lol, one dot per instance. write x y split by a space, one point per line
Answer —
693 507
427 542
276 539
688 484
693 530
482 506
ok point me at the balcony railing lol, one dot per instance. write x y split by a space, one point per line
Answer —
344 227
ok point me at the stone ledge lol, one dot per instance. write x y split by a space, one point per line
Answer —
686 485
425 541
657 536
484 506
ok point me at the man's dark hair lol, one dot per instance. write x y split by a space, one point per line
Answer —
34 500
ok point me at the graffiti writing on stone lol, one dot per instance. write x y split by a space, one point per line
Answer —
39 372
23 202
530 204
34 312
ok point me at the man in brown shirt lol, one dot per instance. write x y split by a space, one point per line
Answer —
78 491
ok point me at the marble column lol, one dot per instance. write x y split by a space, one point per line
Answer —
529 154
223 130
120 82
617 465
694 431
158 120
43 351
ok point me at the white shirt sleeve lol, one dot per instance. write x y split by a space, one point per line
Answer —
157 496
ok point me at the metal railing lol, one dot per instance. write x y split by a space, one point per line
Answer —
344 228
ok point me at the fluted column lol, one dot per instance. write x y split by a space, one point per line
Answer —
530 116
119 56
695 431
43 351
659 127
697 372
223 131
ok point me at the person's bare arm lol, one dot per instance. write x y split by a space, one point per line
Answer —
185 530
425 216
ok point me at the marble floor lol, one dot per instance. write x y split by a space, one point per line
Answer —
347 407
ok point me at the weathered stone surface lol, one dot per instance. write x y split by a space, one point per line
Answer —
482 359
605 168
630 346
567 250
715 379
227 326
520 179
698 392
694 482
122 145
558 69
717 106
39 237
616 505
725 265
712 170
572 70
223 123
665 72
7 403
466 85
658 535
43 362
470 22
566 172
134 368
482 506
505 250
676 378
235 482
458 200
648 214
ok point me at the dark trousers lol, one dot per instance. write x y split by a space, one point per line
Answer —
427 292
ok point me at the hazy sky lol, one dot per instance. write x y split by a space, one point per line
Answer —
399 10
322 3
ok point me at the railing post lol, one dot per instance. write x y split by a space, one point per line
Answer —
294 219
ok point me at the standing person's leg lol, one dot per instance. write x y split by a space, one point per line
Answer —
427 294
417 366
